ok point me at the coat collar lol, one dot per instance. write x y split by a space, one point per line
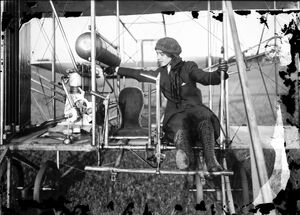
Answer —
173 62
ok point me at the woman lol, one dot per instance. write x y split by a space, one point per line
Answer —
187 122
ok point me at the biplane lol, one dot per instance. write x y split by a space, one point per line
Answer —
92 112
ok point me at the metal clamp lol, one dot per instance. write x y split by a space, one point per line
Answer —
113 176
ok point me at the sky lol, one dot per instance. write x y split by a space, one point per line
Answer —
192 34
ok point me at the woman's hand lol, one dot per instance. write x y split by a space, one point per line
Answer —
223 67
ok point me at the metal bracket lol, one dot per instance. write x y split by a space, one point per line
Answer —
113 176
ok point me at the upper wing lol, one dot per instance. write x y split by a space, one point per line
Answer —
103 8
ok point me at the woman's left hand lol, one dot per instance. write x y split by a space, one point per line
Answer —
223 66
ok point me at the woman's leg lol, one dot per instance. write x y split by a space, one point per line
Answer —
184 154
178 134
206 136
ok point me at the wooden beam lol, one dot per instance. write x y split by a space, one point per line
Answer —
258 166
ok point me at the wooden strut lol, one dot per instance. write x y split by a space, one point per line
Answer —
258 166
93 68
2 45
224 118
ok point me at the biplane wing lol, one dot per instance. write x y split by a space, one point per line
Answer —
104 8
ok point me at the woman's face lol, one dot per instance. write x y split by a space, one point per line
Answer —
162 58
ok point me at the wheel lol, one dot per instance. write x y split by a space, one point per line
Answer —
17 181
46 184
199 189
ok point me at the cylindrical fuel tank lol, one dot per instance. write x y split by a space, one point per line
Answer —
105 53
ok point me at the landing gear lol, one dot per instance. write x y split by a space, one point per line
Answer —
46 184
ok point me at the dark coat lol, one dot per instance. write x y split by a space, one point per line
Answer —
191 96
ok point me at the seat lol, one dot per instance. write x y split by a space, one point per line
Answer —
131 103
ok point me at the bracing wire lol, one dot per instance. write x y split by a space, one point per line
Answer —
118 36
42 113
215 36
39 34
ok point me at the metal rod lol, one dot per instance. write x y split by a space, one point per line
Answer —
259 174
1 76
118 26
106 105
64 35
119 158
71 102
128 31
3 154
57 160
227 187
153 171
158 146
149 115
24 160
97 94
142 57
209 53
260 70
8 181
46 79
266 89
135 147
164 24
46 87
40 92
297 62
221 106
222 84
223 191
40 108
53 78
93 69
298 79
142 61
261 37
275 63
222 100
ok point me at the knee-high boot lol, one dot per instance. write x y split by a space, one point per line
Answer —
206 135
184 154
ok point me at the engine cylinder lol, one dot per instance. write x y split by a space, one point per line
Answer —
105 53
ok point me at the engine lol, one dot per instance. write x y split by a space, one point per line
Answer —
78 105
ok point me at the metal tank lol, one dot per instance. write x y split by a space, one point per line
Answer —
105 53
